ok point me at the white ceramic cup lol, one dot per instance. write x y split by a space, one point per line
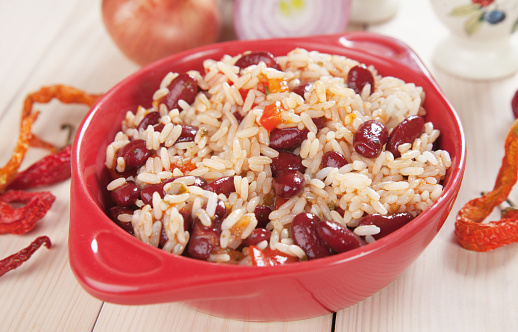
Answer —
373 11
481 45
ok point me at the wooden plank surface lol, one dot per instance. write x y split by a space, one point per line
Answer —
446 289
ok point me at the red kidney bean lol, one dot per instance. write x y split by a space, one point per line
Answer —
287 138
338 237
333 159
224 185
116 211
238 116
368 141
358 77
319 122
288 184
135 153
302 88
158 127
202 241
199 182
183 87
339 210
163 237
258 235
125 195
150 119
262 213
387 224
254 58
405 132
128 172
221 212
200 247
286 161
188 134
305 235
146 194
186 213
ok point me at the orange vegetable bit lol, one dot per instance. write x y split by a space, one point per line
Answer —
277 85
469 229
272 116
26 138
186 167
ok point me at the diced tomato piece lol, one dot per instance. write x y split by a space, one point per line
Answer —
279 201
185 167
258 257
272 116
269 257
261 87
243 93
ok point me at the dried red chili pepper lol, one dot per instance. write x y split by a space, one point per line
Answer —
23 219
8 172
26 138
469 229
63 93
12 262
50 169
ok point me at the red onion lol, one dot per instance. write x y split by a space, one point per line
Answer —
147 30
289 18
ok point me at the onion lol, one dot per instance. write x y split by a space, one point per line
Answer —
289 18
147 30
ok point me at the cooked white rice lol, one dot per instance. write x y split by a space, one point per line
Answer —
223 147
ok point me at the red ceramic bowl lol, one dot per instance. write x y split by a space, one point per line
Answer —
116 267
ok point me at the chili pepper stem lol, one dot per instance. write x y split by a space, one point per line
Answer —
511 203
70 128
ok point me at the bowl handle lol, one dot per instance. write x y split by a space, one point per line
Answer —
376 45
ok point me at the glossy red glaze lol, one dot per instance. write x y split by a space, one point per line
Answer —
115 267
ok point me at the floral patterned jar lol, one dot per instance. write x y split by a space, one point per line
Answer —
481 44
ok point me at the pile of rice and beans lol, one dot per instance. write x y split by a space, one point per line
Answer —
263 160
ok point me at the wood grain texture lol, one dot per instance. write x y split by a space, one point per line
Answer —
447 289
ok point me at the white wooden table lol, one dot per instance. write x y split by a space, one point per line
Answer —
447 289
